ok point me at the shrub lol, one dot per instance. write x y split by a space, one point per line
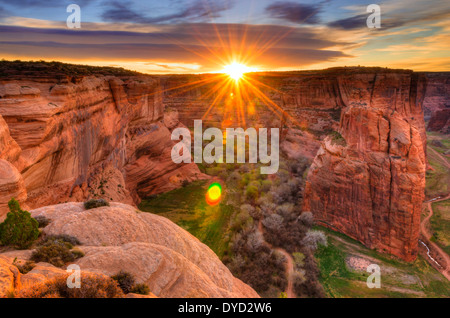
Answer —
298 259
273 222
337 139
61 237
19 229
184 183
141 289
92 286
95 203
56 252
42 221
306 218
77 253
125 280
25 268
266 185
251 193
313 238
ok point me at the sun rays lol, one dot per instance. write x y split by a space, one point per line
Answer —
237 70
234 92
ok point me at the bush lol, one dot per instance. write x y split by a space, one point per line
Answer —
337 139
61 237
306 218
56 252
125 280
25 268
251 193
77 253
313 238
42 221
266 185
141 289
19 229
95 203
92 286
298 259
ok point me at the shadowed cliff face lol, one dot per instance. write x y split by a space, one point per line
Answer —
436 104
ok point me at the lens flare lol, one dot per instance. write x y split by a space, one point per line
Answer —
214 194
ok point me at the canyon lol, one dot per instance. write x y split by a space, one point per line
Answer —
66 137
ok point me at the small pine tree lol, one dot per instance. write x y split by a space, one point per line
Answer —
19 229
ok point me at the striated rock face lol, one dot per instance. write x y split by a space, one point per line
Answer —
77 138
172 262
436 105
440 121
369 182
11 186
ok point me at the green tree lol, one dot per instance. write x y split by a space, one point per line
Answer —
19 229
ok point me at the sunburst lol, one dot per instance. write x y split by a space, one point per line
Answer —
236 70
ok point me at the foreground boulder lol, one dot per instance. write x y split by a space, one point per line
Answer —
172 262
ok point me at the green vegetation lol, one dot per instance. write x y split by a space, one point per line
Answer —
125 281
438 185
230 228
42 221
19 229
95 203
57 250
337 139
24 268
30 68
187 207
440 224
437 178
141 289
93 286
398 278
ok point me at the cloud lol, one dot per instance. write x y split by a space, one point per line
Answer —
396 14
122 12
268 46
44 3
360 21
294 12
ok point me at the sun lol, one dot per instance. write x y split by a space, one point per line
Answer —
237 70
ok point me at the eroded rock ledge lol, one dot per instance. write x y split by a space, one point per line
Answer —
172 262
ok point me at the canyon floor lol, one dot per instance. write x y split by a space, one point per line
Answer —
342 263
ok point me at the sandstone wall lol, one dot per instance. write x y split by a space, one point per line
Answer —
369 184
436 104
77 138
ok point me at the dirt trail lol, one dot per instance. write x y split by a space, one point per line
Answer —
444 258
289 264
441 158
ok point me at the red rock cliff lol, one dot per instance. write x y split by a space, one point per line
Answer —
65 138
368 181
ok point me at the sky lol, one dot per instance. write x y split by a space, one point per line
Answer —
197 36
